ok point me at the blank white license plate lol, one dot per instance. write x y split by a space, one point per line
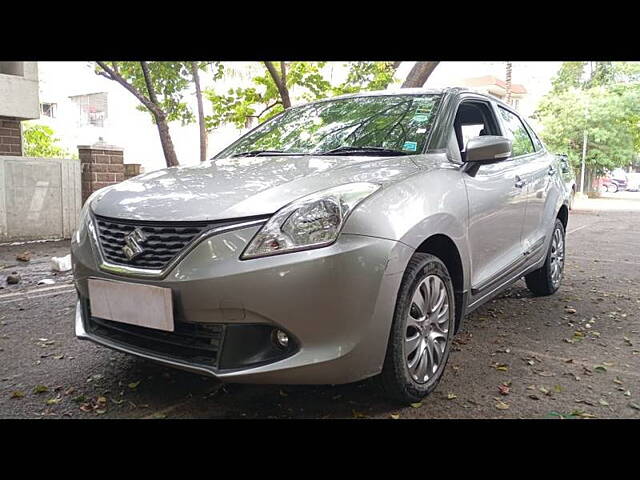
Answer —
132 303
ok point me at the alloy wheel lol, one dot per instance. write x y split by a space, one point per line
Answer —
427 329
557 257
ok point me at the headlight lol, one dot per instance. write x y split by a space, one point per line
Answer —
311 222
84 219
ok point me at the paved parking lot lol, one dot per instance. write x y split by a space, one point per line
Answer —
575 354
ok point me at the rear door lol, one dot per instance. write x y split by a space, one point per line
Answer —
537 170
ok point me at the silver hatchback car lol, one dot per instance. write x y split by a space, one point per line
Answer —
339 240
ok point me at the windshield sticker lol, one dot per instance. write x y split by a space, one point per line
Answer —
410 146
421 115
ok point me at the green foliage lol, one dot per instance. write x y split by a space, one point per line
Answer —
569 76
39 141
610 115
170 81
367 76
262 99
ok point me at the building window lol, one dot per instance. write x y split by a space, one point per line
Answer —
92 108
48 110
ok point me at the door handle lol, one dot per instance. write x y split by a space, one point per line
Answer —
519 182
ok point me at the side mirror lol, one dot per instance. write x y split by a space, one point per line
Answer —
488 149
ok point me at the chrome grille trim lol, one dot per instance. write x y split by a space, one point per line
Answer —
159 273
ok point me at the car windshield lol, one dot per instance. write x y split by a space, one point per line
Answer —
368 125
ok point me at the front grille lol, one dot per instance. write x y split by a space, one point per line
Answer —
193 343
164 241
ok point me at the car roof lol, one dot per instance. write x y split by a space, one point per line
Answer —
410 91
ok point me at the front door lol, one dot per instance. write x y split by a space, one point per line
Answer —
496 201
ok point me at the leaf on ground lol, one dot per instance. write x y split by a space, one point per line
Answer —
603 402
617 380
634 405
571 310
395 416
544 390
627 393
157 415
503 389
283 393
357 414
600 368
416 405
534 397
40 389
17 394
134 385
557 388
54 401
582 414
503 367
451 396
546 374
502 406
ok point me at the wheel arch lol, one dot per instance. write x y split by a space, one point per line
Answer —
443 247
563 215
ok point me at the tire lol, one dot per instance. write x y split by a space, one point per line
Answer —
613 188
604 189
546 280
430 337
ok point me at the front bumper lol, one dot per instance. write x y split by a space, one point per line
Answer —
336 303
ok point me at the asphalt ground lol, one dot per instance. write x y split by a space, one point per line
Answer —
575 354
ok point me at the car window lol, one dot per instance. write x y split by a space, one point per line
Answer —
473 119
534 136
398 122
515 130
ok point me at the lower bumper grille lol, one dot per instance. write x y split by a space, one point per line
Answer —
193 343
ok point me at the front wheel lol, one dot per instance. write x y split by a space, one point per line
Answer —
546 280
422 330
613 188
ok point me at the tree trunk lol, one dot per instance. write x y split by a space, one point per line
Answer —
280 82
419 74
203 132
165 140
152 105
508 88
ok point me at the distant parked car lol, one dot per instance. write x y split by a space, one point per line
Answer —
612 185
569 177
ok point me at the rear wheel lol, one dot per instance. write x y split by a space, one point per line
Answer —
422 330
546 280
604 188
613 188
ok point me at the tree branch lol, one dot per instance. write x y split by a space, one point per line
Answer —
150 89
282 88
419 74
112 74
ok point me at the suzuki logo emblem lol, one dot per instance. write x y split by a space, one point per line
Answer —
133 241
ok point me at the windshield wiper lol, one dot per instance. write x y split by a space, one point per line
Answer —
363 151
255 153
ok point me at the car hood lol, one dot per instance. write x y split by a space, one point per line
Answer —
240 187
